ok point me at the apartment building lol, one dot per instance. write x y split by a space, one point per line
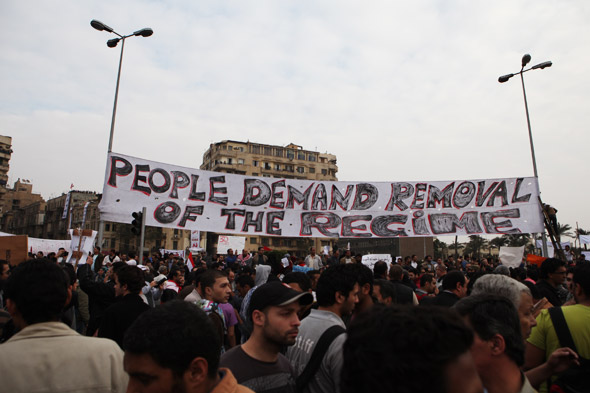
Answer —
5 154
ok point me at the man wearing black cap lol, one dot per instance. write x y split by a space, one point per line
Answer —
258 363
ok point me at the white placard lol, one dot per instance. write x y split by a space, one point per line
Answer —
236 243
511 256
371 259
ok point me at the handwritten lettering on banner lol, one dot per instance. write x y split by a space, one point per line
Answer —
186 198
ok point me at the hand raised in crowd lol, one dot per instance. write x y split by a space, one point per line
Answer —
561 359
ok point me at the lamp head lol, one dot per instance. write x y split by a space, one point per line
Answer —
504 78
98 25
542 65
525 60
113 42
145 32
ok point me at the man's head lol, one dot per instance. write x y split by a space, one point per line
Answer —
260 250
519 295
312 250
171 348
273 310
112 252
408 349
338 288
215 286
128 280
176 275
496 325
244 283
365 281
455 282
428 283
553 271
582 282
380 270
314 276
299 281
4 272
440 271
396 273
36 291
384 291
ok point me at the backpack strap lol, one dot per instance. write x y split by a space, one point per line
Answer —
561 329
318 355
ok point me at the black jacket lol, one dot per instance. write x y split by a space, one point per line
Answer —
550 292
100 296
443 299
119 316
404 293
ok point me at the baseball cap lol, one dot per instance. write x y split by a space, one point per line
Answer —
276 293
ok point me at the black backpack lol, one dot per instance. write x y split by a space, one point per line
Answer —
576 379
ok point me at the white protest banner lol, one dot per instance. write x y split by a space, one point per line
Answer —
195 239
539 244
47 245
511 256
179 253
186 198
81 245
585 239
371 259
236 243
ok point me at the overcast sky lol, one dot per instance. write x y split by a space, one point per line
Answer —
396 90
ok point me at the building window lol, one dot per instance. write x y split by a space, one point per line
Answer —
311 170
255 149
264 241
267 151
277 167
267 166
175 231
300 169
229 161
324 172
229 147
107 227
253 240
278 151
175 245
276 241
240 149
254 163
290 154
289 168
300 155
113 243
311 157
255 174
240 161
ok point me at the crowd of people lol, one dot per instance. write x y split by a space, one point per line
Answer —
244 322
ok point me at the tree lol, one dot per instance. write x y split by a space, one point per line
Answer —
517 240
498 242
440 249
563 230
475 244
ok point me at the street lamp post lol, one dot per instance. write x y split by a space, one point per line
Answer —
145 32
504 78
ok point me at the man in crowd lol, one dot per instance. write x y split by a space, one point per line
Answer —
313 260
259 258
543 340
215 290
337 295
405 295
159 358
384 292
175 279
498 347
409 349
347 258
365 295
244 259
112 257
427 287
119 316
46 355
454 288
258 363
552 274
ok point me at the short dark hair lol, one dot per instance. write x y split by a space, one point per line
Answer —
39 289
175 271
340 278
365 275
380 269
180 326
131 255
208 278
550 265
425 278
245 279
489 315
582 276
396 272
397 363
132 276
387 289
451 279
298 278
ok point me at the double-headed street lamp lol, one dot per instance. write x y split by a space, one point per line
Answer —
504 78
145 32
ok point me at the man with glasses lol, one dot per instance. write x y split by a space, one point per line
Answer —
552 274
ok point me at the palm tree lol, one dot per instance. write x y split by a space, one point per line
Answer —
476 243
440 249
517 240
498 242
563 230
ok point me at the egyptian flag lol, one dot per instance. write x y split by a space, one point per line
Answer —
190 263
